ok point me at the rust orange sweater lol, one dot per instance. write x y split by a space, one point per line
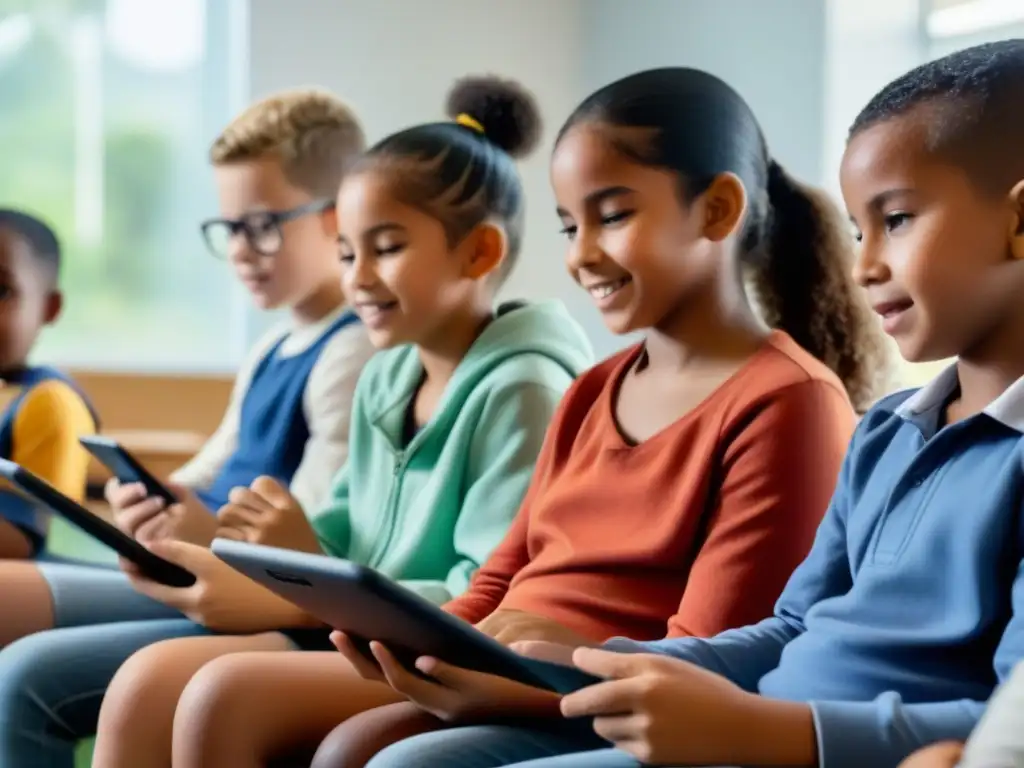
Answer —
692 532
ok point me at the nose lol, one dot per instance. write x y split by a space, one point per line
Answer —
583 251
361 273
239 251
869 264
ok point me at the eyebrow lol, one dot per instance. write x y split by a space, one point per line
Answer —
599 196
377 229
878 201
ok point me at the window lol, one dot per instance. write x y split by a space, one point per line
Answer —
108 110
954 24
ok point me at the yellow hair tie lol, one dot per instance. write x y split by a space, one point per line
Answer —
470 122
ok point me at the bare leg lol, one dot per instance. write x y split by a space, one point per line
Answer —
137 716
246 710
25 601
355 742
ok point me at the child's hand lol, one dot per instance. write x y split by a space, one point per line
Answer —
664 711
149 518
946 754
458 695
222 599
509 626
455 695
554 653
266 513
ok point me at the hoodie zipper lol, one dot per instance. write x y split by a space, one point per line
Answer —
390 516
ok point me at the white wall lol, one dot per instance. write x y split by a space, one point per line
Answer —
869 43
805 66
394 61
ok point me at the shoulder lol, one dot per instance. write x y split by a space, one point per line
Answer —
262 347
54 405
346 351
787 377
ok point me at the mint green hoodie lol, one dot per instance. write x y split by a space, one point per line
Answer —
430 512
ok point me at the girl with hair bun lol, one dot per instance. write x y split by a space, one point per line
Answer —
447 423
684 479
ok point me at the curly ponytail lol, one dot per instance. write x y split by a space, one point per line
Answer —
801 278
794 245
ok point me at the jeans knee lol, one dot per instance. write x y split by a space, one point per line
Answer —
30 680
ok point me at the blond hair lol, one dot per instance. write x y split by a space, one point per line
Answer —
313 134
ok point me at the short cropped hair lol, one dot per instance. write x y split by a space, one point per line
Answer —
40 238
315 136
973 102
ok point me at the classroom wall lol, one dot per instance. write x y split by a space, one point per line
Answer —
395 59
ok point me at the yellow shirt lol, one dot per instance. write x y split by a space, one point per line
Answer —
50 419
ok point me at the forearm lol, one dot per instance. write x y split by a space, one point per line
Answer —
14 542
776 733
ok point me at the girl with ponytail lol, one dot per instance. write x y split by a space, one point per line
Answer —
684 479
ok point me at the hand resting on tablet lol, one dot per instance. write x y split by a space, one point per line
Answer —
450 693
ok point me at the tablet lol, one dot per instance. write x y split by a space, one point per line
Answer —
154 567
125 467
368 606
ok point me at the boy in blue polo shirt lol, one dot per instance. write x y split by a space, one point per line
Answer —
910 607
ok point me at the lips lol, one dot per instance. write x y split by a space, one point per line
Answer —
892 313
606 288
254 281
890 308
375 313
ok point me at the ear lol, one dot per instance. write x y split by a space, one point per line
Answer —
1016 233
487 245
724 203
53 307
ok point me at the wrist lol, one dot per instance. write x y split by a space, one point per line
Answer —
777 733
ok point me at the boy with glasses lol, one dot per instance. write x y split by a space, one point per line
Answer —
284 436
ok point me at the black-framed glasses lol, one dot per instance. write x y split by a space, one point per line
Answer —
261 229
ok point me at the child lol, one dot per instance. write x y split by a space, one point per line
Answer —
683 479
446 425
907 611
44 413
276 167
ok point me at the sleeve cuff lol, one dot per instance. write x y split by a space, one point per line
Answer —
877 733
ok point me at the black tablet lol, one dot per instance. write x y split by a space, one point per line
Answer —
125 467
56 502
368 606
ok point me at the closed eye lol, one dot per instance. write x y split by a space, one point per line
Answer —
391 250
569 230
618 217
346 258
894 221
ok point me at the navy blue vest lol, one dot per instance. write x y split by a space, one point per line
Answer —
13 507
272 430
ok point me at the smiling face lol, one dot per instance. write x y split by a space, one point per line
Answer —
634 245
398 270
935 255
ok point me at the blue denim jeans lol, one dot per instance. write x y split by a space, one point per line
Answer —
558 745
52 683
